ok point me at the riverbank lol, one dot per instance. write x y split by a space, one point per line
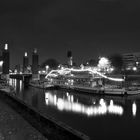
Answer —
49 127
15 127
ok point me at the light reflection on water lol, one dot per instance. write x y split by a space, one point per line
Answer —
85 112
67 103
134 109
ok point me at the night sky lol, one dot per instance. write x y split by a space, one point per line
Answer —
89 28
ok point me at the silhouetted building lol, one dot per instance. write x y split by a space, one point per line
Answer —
35 62
35 65
6 60
70 59
25 62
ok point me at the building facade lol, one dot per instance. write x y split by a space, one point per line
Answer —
131 60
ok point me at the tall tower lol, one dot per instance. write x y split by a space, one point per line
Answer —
35 63
25 62
6 62
70 59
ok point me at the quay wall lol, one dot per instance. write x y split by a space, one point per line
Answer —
49 127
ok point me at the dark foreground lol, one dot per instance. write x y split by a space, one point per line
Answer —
15 127
46 126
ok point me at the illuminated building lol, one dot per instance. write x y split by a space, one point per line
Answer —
25 62
131 60
6 61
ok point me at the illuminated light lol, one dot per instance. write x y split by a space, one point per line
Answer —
72 99
134 68
20 85
55 99
15 71
137 63
69 98
20 72
46 98
111 102
59 66
47 67
39 72
115 109
128 68
67 94
134 109
46 95
62 68
25 54
60 104
69 105
69 70
15 83
82 66
103 62
111 69
6 47
94 102
102 102
1 63
43 71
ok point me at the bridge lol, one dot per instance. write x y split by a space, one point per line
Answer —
24 77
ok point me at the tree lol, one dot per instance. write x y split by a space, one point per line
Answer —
104 63
52 63
92 62
117 62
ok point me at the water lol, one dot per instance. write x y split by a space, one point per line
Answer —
99 117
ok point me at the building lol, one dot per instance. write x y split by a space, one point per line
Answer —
131 60
25 62
35 65
6 60
70 58
35 59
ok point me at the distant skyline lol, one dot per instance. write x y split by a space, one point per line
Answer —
88 28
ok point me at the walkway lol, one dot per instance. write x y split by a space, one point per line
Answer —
14 127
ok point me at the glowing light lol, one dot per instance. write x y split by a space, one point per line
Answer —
20 85
111 69
15 71
115 109
1 63
134 109
69 104
65 71
103 62
134 68
6 47
47 67
25 54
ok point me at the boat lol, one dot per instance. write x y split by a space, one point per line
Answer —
90 81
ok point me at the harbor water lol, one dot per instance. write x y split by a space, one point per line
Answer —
97 116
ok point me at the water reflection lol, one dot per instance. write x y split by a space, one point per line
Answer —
134 109
17 84
116 110
68 103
